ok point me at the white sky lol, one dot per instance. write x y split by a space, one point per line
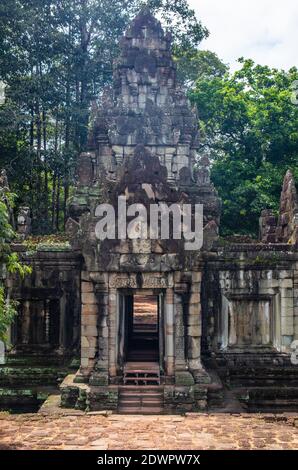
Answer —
263 30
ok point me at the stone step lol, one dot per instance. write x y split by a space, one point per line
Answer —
141 374
141 410
30 376
134 395
24 400
269 398
142 381
140 402
137 389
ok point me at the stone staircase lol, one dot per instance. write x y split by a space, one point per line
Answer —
141 400
141 373
273 390
260 384
141 392
26 381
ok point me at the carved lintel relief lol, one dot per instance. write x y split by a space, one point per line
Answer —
139 281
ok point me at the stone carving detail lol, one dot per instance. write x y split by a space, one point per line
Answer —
146 281
24 222
287 228
4 181
85 169
267 224
203 172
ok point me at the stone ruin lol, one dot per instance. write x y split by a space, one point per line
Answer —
284 228
222 320
287 226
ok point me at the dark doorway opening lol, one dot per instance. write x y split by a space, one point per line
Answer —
140 328
143 331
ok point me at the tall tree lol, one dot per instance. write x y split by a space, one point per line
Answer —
55 56
249 130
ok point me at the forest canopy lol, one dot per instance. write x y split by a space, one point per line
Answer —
55 59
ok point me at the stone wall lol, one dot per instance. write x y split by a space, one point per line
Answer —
254 306
49 303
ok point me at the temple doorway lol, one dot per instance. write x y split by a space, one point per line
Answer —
141 336
141 348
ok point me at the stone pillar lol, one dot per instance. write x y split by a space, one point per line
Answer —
62 307
295 285
89 331
26 322
100 375
182 374
180 360
194 323
287 310
169 333
183 377
113 332
194 330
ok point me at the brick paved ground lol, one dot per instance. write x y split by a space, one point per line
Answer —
148 432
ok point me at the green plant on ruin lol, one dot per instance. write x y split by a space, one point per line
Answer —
9 263
53 242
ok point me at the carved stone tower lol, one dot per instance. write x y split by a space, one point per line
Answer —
143 144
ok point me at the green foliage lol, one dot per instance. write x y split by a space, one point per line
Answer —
194 65
47 243
9 262
55 57
7 314
250 132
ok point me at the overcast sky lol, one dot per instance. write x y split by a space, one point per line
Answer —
263 30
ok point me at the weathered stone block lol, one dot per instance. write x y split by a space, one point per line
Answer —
89 320
89 298
287 325
184 378
90 309
87 287
89 330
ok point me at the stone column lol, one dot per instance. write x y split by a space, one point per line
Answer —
295 285
100 374
287 310
194 330
113 333
62 307
180 360
89 331
194 323
26 322
169 333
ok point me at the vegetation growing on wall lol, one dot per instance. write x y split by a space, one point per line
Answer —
9 263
